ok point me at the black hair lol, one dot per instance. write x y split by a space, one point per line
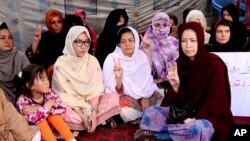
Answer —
72 20
29 74
3 25
185 13
232 10
174 18
120 32
113 18
223 22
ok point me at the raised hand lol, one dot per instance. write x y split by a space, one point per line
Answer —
117 68
173 76
37 34
146 46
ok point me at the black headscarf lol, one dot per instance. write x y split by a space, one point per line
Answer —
239 29
3 25
233 12
174 18
113 18
227 47
107 39
185 13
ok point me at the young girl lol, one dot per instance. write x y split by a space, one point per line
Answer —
40 105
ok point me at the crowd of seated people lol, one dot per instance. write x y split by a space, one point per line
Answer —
123 74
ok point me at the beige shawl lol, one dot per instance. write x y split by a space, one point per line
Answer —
193 15
13 126
77 79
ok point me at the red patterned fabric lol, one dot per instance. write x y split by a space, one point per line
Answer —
123 132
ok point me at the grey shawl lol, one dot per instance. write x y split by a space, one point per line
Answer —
11 63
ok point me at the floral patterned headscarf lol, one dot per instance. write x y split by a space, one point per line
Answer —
164 31
164 48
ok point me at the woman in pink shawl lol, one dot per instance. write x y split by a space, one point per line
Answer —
127 72
164 48
78 80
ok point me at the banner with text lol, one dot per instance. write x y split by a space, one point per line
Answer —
238 65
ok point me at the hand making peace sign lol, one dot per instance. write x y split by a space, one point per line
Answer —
117 68
37 34
173 76
146 46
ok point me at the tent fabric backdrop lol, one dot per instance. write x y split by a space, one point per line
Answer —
23 15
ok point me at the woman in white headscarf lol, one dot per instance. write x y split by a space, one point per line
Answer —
127 71
198 16
78 80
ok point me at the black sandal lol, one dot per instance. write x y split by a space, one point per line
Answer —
143 135
111 122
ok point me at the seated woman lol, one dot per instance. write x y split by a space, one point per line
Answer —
47 46
78 80
12 61
13 126
198 16
127 72
231 13
164 48
222 39
174 25
73 20
201 83
106 44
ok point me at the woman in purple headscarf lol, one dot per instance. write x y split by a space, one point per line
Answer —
164 48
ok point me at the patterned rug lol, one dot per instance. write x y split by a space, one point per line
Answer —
123 132
242 120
